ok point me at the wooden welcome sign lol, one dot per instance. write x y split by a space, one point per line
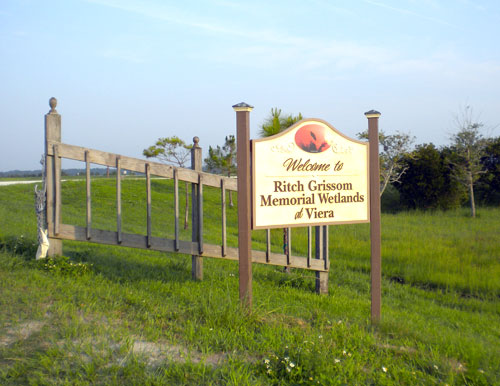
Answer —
310 174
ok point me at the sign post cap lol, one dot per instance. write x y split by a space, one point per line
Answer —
372 114
242 106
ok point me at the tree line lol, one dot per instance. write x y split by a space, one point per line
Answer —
422 176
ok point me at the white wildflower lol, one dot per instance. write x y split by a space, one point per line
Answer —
384 369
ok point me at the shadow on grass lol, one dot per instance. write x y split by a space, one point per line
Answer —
131 265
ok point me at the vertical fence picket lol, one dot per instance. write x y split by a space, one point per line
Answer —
309 246
200 214
326 245
88 194
268 245
321 277
223 215
148 198
289 245
196 260
57 203
118 200
176 209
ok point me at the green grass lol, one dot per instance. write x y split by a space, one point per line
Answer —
110 315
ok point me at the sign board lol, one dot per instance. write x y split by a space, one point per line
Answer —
310 174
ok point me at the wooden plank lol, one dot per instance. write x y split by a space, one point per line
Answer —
88 194
223 216
99 236
137 165
72 232
148 204
268 245
176 208
200 213
118 200
57 201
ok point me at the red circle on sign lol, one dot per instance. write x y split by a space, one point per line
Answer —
311 138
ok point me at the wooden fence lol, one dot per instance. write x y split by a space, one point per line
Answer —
55 150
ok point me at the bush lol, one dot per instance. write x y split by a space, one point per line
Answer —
19 246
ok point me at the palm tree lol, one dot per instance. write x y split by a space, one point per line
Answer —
276 123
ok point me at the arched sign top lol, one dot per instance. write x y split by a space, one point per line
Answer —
309 174
307 122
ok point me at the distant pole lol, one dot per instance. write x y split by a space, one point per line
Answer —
244 205
375 228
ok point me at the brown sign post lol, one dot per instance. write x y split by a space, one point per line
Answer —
375 231
244 206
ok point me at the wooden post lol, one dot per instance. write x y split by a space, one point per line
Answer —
375 228
244 203
321 277
196 260
52 175
88 194
118 200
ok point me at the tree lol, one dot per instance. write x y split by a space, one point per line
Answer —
394 148
277 123
222 160
489 182
468 147
172 150
427 181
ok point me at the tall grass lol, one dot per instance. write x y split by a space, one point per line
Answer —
71 326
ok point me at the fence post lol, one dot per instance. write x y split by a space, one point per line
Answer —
244 203
375 231
52 176
321 277
196 260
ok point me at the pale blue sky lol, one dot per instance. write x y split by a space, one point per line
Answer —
127 72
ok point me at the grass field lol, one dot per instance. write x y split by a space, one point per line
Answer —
109 315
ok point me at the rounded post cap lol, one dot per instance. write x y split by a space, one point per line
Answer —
53 105
242 106
372 114
196 142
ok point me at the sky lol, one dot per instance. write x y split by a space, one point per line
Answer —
126 72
